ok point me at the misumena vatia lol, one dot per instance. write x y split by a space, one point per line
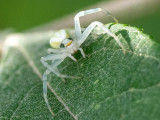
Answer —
64 46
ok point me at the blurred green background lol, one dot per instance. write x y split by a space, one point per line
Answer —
24 14
150 24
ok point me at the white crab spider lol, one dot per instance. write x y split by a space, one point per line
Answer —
64 46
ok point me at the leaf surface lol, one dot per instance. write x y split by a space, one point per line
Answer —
114 86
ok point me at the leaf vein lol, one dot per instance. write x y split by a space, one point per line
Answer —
13 114
121 94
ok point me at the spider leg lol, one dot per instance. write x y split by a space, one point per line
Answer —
89 29
77 23
74 59
45 91
54 65
82 52
53 57
61 75
60 50
53 68
78 30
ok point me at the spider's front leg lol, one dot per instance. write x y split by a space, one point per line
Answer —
78 30
81 37
89 29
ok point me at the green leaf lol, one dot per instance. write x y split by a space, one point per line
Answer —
114 86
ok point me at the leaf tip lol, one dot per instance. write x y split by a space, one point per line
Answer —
125 24
140 29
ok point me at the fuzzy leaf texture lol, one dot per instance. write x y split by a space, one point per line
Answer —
114 86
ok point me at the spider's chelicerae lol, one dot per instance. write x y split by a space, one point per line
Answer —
64 46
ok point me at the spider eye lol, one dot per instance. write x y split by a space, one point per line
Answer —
67 42
69 38
62 45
